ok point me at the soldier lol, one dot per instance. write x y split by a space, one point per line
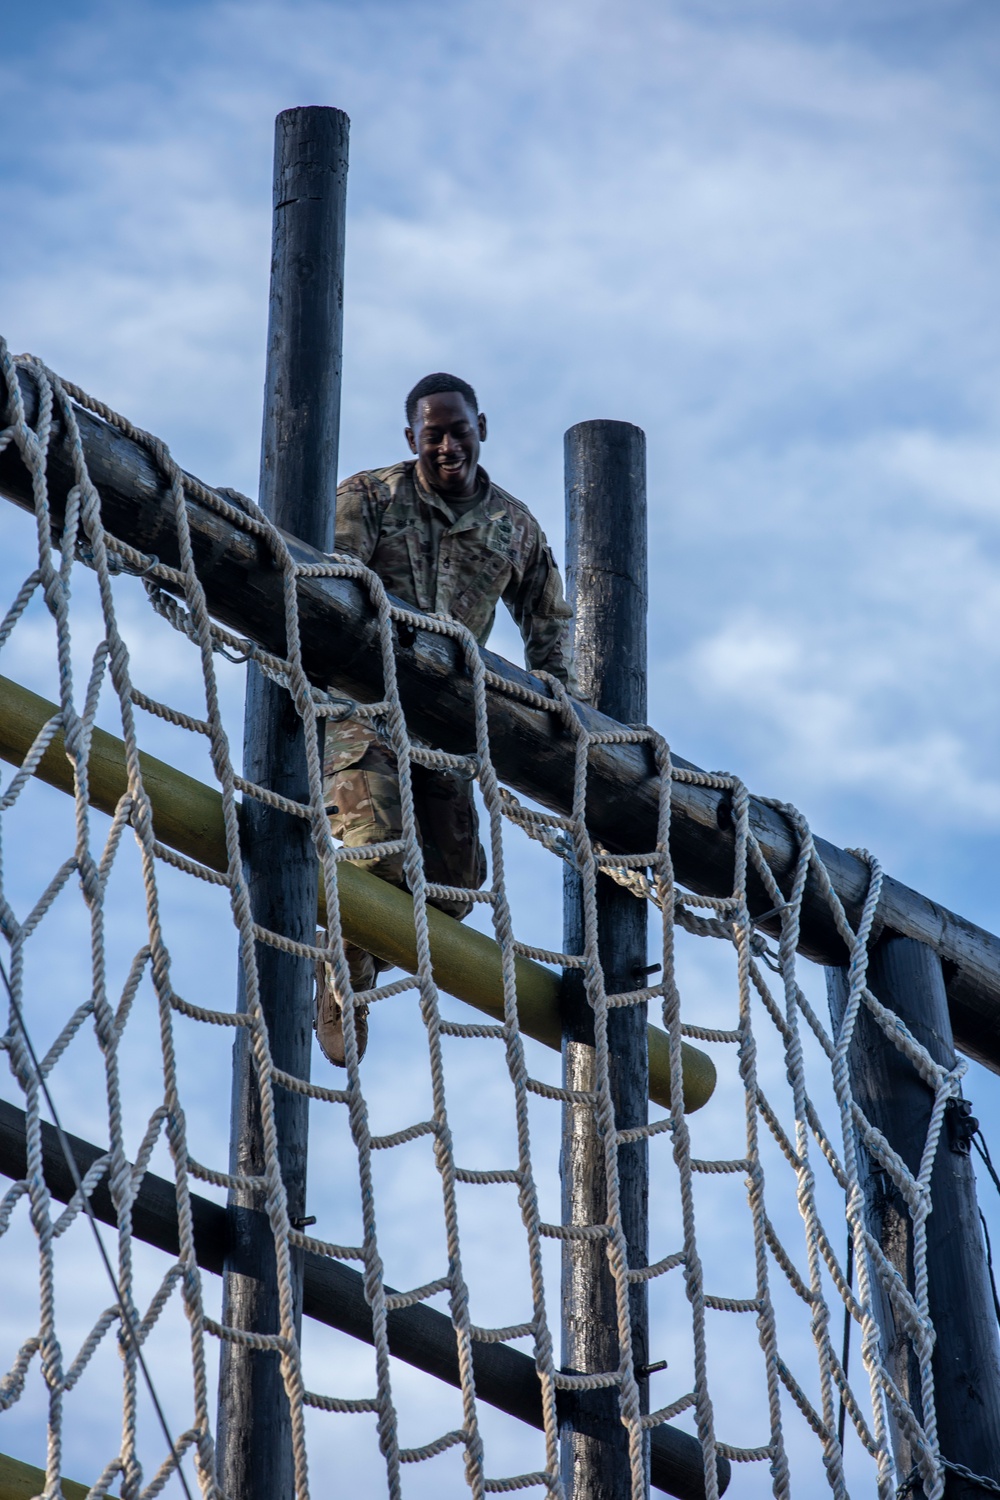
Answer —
443 538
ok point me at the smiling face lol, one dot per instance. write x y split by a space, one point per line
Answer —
445 436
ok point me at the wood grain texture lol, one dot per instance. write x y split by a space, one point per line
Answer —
606 577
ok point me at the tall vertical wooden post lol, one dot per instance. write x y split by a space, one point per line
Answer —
607 587
298 486
906 976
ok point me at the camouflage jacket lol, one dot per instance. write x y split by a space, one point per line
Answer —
459 565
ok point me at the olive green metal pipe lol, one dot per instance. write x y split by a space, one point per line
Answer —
187 815
21 1481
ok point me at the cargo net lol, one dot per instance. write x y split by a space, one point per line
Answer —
111 1036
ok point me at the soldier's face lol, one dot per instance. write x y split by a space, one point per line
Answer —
445 436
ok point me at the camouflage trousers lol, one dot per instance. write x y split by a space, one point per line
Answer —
363 803
362 798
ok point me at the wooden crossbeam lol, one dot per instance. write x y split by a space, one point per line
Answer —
531 753
334 1294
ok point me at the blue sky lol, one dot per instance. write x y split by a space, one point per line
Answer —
766 233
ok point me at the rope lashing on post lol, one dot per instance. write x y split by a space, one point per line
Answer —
800 1395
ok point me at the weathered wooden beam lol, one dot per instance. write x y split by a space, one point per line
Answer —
605 476
339 638
334 1294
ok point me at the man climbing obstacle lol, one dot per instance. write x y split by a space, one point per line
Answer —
445 539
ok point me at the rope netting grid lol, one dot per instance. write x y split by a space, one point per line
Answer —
83 538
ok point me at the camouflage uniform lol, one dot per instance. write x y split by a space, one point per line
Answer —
460 564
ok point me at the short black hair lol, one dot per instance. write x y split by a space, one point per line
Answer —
434 385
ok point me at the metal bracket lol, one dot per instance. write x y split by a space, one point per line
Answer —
961 1125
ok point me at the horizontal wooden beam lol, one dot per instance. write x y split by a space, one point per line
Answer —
187 815
334 1294
531 752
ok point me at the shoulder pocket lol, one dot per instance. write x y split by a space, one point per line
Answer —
344 744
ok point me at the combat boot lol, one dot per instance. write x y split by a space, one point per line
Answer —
329 1016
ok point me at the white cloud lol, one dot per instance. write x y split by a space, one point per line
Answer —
849 733
954 472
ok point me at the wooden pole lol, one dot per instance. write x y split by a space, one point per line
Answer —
340 648
298 484
906 976
607 587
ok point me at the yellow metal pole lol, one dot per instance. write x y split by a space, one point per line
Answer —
20 1481
187 815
